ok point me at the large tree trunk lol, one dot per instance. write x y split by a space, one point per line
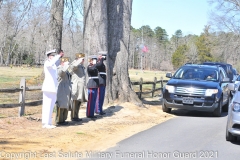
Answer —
119 23
56 24
107 24
95 26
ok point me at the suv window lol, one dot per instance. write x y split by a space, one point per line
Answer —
227 68
222 74
198 73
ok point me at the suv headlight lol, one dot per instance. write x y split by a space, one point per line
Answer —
235 107
210 92
171 89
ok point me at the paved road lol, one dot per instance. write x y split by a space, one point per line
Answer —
191 135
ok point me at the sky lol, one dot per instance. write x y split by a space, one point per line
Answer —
190 16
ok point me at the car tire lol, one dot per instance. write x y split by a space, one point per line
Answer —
164 108
218 111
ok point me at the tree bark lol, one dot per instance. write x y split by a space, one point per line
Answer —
119 22
56 24
107 26
95 27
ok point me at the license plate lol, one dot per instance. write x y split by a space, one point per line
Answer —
187 100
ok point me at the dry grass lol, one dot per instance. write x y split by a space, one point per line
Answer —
146 75
10 77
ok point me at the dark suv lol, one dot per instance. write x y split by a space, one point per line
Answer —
197 87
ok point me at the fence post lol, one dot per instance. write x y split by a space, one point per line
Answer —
161 84
22 96
154 86
140 88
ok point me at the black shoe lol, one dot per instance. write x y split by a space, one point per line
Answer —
91 117
62 123
102 113
76 119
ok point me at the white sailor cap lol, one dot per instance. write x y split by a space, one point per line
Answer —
54 51
92 57
103 53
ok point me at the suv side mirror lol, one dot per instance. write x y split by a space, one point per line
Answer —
169 75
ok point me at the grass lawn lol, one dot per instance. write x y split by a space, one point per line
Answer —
11 77
146 75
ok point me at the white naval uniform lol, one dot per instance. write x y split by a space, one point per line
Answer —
49 88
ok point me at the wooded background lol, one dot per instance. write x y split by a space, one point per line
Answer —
25 33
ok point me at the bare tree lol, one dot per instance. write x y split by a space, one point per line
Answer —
95 26
119 20
110 20
13 13
225 15
56 24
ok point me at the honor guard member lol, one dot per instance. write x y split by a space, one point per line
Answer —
102 82
79 90
92 85
64 92
49 87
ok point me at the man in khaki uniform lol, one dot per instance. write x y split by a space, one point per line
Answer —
64 91
79 91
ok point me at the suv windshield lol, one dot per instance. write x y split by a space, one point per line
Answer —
187 72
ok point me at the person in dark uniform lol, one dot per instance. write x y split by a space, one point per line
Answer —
102 83
92 85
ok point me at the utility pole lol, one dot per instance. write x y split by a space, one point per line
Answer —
142 52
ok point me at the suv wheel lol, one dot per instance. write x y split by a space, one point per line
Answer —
164 108
217 112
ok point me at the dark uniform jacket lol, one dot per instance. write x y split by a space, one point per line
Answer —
93 81
101 72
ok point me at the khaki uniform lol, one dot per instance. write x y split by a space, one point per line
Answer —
63 94
79 91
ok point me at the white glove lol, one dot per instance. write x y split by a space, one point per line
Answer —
65 67
66 63
79 60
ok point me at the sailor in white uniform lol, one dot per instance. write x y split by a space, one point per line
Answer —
49 87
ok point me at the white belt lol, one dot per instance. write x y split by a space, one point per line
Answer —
92 77
102 73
